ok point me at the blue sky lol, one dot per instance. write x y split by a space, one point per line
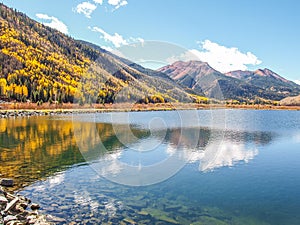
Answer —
228 34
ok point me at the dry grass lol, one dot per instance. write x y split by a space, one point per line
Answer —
135 107
289 101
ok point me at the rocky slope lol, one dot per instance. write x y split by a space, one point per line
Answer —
241 85
202 78
267 80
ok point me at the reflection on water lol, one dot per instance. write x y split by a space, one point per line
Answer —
227 154
32 148
148 156
225 176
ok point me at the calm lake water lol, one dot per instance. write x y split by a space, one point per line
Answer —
173 167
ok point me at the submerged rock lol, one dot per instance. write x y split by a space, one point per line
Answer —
161 215
130 221
6 182
143 213
35 206
207 220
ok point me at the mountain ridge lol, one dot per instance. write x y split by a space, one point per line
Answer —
267 80
261 72
241 85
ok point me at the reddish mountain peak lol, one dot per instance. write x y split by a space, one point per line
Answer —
192 63
261 72
193 68
269 73
239 74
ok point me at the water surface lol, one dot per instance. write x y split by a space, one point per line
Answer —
203 167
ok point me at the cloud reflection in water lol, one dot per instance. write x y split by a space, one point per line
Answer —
215 149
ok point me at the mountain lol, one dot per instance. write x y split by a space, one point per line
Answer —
41 64
191 74
202 78
267 80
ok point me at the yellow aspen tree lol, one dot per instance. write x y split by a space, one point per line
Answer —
24 91
3 86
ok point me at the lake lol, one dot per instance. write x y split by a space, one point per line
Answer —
167 167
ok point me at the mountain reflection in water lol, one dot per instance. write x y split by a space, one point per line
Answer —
34 148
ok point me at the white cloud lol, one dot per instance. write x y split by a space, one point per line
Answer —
113 2
116 39
297 81
225 59
117 3
138 40
98 1
54 22
221 58
107 48
86 8
186 56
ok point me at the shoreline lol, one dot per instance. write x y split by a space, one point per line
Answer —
25 109
14 208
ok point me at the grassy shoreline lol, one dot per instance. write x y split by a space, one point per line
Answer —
45 109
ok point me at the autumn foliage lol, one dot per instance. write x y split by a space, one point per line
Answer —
39 64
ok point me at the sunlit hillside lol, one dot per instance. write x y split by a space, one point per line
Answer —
40 64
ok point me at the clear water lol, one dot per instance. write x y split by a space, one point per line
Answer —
176 167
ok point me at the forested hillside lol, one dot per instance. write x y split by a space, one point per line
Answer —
40 64
37 62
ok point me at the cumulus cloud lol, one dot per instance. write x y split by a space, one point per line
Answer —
115 39
98 1
113 2
86 8
225 59
107 48
221 58
54 22
117 3
135 40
